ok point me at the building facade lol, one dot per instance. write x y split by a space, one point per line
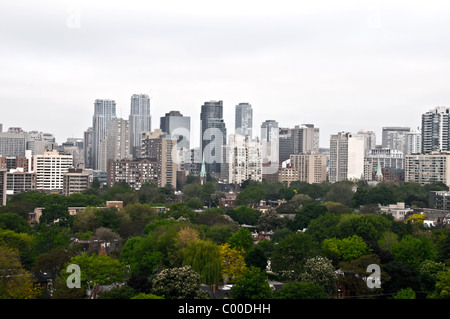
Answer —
244 120
346 157
76 180
426 168
435 130
104 111
50 168
140 121
135 173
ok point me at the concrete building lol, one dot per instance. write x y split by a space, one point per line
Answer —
161 148
435 130
346 157
425 168
383 158
394 137
13 143
20 180
140 121
117 143
413 142
104 111
399 211
76 180
439 200
134 172
242 160
3 181
50 168
312 168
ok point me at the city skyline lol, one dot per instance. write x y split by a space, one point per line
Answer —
342 66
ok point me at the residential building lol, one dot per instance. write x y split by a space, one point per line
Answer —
426 168
20 180
134 172
213 135
76 180
370 140
435 130
413 142
117 142
346 157
161 148
13 143
439 200
50 168
244 120
312 168
140 121
242 160
104 111
399 211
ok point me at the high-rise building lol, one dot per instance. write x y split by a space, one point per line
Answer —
269 131
381 159
105 110
20 180
3 181
413 142
242 160
309 168
213 135
346 157
370 140
435 130
178 126
427 168
244 120
88 148
133 172
140 121
13 143
393 137
50 168
304 139
161 148
76 180
117 142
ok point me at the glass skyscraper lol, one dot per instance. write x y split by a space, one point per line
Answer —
140 120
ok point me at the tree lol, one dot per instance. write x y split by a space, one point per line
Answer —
256 257
252 284
15 282
442 290
178 283
407 293
251 195
320 271
300 290
340 192
244 215
97 269
345 249
14 222
428 272
241 239
270 220
414 251
232 262
306 215
289 256
204 258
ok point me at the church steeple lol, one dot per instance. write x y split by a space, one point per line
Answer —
203 172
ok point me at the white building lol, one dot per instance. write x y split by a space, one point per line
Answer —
346 157
50 168
398 211
242 160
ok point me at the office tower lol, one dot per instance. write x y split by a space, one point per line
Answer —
285 144
413 142
140 121
117 142
427 168
161 148
50 168
244 120
242 160
75 147
178 126
346 157
213 135
13 143
269 131
76 180
394 137
435 130
105 110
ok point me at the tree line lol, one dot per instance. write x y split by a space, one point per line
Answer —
322 238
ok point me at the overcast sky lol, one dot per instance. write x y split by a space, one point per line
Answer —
340 65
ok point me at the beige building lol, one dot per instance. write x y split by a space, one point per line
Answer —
425 168
161 148
309 168
75 181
